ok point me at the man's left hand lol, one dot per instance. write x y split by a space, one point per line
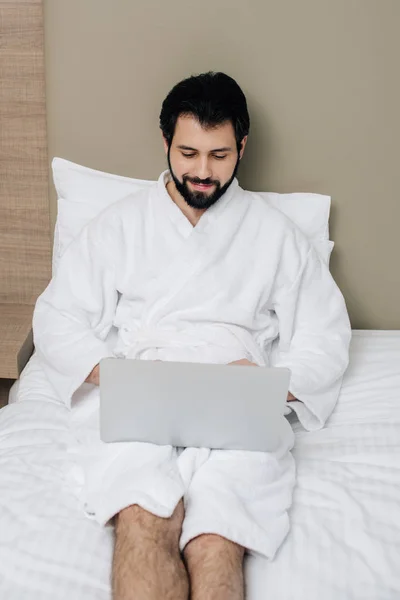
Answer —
245 362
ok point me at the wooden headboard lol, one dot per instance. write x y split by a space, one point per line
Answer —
24 207
25 251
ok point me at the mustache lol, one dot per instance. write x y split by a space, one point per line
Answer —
198 181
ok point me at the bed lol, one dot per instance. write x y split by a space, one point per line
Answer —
345 535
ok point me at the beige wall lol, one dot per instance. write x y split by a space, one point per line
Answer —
321 78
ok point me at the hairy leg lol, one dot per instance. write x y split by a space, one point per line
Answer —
215 567
147 563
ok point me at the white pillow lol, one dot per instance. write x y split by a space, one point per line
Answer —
310 212
83 193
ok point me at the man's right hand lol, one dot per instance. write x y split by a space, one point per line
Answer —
244 362
94 376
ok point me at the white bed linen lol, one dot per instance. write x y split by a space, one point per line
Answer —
344 541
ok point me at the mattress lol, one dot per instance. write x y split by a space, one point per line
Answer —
344 541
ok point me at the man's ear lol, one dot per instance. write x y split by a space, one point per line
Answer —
165 144
243 143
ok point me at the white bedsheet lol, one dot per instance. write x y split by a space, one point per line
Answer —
344 542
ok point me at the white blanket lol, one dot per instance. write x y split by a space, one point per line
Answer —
345 518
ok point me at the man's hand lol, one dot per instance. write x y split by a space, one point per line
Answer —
244 361
94 376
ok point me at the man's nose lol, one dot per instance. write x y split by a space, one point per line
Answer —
203 168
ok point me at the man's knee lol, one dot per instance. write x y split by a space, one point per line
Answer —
208 544
142 526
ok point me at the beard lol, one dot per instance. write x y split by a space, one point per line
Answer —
201 200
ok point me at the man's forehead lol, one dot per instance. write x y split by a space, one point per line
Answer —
189 131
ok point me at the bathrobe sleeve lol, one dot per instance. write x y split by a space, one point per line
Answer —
74 314
315 333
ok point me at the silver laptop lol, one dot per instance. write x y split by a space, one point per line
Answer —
192 405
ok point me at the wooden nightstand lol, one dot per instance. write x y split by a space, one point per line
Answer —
16 344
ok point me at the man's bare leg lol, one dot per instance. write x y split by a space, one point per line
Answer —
147 562
215 567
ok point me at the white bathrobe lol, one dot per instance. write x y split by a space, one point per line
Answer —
243 283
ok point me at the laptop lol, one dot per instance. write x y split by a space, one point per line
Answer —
231 407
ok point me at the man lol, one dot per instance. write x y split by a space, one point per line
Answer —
194 269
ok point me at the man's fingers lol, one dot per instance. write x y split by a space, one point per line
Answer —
94 376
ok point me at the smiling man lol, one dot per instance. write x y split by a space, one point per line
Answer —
194 268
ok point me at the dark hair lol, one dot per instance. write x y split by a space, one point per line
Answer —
213 98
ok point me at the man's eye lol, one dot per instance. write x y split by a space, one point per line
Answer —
219 157
188 155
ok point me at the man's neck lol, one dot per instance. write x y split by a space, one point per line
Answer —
192 214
